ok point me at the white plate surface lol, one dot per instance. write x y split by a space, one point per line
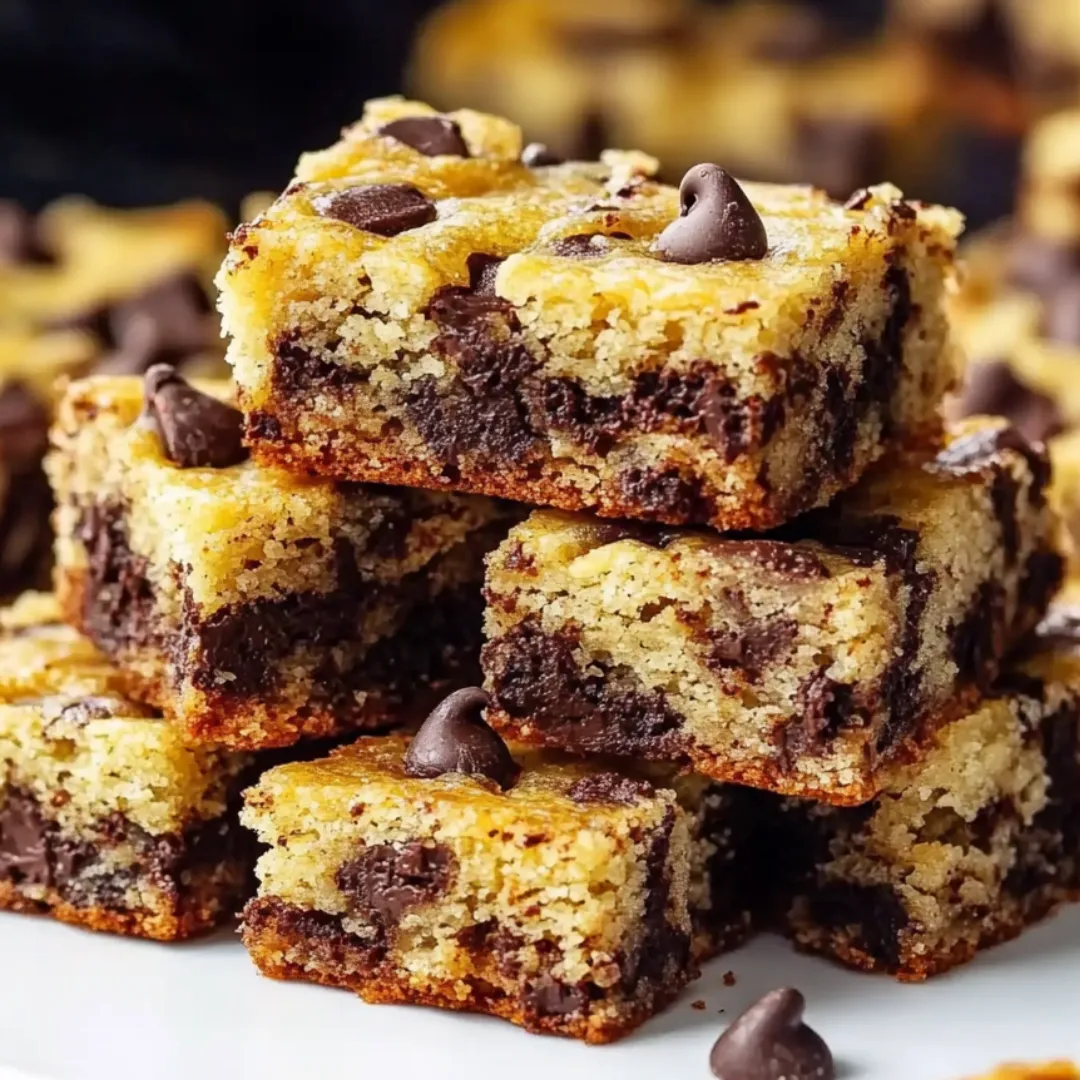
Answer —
81 1006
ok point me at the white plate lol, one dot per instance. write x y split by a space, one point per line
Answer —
81 1006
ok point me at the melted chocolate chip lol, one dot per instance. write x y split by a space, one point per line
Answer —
24 834
1061 321
993 390
385 881
196 430
24 427
716 222
383 209
433 136
537 155
586 245
455 739
770 1042
610 787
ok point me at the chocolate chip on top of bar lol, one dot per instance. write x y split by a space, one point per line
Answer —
731 354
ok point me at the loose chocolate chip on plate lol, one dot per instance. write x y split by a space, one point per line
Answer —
196 430
384 209
716 222
536 155
456 739
24 427
770 1042
432 136
992 389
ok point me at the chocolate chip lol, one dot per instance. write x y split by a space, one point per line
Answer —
770 1042
384 209
716 222
196 430
24 427
24 834
175 311
81 711
609 787
1061 320
536 155
19 238
384 881
455 739
433 136
992 389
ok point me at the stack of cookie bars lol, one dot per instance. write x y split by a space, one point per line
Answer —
766 645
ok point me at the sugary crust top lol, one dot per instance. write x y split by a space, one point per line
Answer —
490 203
333 785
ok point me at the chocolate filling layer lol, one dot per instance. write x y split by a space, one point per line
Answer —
497 408
439 641
36 853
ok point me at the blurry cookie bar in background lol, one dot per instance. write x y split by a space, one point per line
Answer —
777 93
83 289
1018 313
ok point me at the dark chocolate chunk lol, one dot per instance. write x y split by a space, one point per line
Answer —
992 389
196 430
455 739
610 787
385 881
483 270
586 245
550 997
24 836
432 136
175 313
1061 320
24 427
537 155
383 209
20 241
838 153
770 1042
716 222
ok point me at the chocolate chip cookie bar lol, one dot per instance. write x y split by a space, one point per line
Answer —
570 899
964 847
107 819
800 662
251 605
83 288
427 305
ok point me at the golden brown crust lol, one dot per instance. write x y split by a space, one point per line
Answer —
281 953
198 916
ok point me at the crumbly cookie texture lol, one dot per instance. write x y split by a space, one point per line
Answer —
473 323
255 606
84 288
964 847
802 664
577 902
107 819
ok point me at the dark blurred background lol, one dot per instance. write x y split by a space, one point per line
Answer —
136 101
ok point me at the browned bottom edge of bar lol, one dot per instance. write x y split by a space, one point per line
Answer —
664 495
292 944
911 966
